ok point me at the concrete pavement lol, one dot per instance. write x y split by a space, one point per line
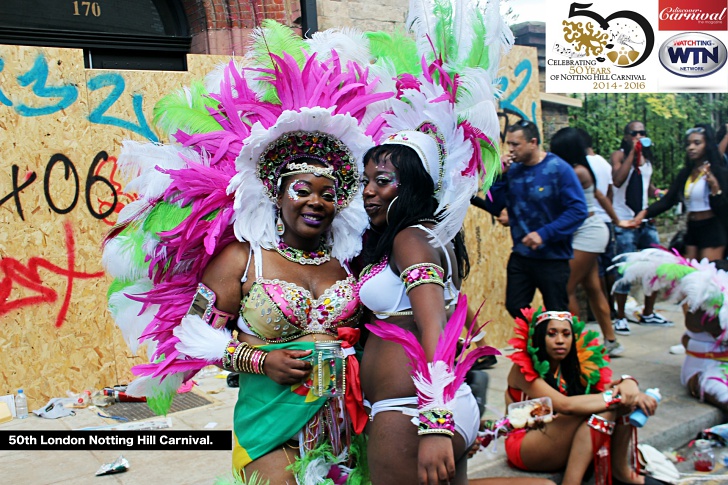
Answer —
678 420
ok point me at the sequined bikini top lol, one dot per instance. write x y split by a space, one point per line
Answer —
279 311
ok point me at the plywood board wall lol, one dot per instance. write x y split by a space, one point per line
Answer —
489 244
62 128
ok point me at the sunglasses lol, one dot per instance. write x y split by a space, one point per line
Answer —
638 132
697 129
523 123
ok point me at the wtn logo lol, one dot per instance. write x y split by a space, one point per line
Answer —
692 54
682 56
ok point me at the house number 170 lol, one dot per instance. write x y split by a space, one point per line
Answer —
87 7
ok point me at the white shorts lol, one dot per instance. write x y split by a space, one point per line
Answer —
464 410
592 236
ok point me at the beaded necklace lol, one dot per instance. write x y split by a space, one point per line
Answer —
320 256
370 271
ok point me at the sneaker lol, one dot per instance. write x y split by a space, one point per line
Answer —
677 349
613 348
656 320
621 327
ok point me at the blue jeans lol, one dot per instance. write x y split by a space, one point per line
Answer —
630 240
605 259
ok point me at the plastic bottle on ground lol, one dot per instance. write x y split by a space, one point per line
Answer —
21 405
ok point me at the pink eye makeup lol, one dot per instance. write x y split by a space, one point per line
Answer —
387 178
298 189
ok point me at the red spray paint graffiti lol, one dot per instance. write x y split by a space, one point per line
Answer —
27 276
123 199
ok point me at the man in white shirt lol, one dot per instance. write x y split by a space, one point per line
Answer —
631 174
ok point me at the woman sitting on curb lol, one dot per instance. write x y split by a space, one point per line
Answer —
556 358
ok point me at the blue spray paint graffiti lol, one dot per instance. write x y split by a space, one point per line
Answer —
506 104
98 116
67 94
4 99
38 76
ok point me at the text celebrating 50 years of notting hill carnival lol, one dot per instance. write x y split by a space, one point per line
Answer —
626 46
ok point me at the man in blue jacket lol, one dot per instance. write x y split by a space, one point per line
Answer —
546 205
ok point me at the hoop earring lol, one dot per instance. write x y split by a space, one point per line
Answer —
280 228
386 218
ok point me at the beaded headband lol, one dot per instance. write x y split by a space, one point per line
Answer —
298 168
339 160
563 316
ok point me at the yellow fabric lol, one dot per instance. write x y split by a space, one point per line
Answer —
241 458
689 184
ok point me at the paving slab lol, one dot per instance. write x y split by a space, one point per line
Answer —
679 419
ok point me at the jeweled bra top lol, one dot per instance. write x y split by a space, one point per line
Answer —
279 311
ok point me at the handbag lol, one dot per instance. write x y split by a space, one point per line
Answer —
677 242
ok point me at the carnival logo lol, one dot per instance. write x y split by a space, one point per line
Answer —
624 38
693 15
692 54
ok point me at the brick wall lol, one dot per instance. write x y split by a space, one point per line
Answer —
223 26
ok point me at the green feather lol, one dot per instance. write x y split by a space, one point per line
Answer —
673 271
716 301
132 236
165 216
118 285
255 479
358 454
491 162
275 38
186 110
478 55
161 403
397 48
444 40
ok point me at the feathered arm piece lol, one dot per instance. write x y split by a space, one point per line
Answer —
437 381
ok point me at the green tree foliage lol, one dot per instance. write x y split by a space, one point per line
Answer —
666 117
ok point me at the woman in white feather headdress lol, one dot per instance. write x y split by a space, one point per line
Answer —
436 147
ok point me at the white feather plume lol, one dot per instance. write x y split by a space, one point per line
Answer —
476 103
139 160
147 386
350 45
713 380
432 392
199 340
118 259
318 469
128 316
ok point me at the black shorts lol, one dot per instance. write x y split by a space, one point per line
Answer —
708 233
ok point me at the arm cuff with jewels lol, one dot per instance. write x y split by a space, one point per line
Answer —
601 424
610 399
420 274
203 305
436 421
